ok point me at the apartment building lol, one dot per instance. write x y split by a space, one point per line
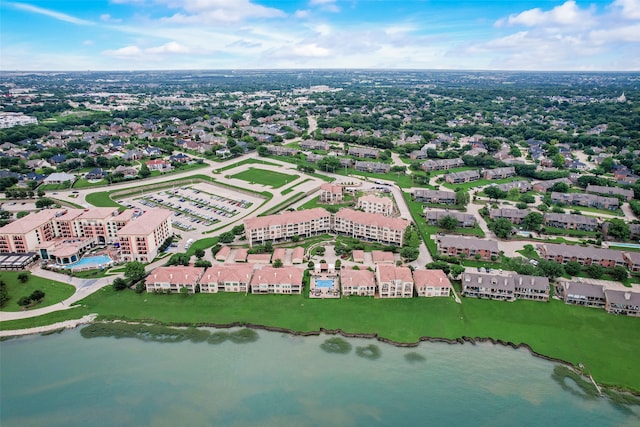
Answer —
278 150
499 173
374 204
623 302
227 278
312 144
570 221
578 293
357 282
435 196
531 287
174 278
514 215
433 216
331 193
467 246
544 186
308 222
283 280
372 167
394 282
610 191
370 226
585 255
431 283
363 152
479 285
462 177
441 164
140 239
587 200
522 186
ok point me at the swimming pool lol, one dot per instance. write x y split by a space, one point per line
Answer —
324 283
625 245
90 262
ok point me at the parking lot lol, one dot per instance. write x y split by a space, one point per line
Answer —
197 207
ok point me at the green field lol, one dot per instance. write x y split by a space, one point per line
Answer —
102 199
265 177
54 291
605 344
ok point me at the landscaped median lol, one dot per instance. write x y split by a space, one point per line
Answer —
605 344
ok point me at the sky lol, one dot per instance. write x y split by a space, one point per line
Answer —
597 35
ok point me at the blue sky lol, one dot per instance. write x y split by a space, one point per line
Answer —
240 34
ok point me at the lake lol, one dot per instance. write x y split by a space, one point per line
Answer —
283 380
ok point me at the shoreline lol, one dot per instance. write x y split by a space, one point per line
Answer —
90 318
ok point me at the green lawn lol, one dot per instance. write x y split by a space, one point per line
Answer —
246 162
265 177
54 291
102 199
83 183
606 344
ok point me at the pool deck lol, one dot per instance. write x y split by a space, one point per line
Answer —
324 292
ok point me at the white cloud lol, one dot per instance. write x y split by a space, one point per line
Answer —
51 13
149 53
127 51
327 5
87 43
629 9
218 11
628 34
302 14
567 14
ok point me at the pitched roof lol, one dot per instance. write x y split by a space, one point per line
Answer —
468 242
185 275
372 219
430 278
146 223
288 217
391 273
350 277
273 276
240 273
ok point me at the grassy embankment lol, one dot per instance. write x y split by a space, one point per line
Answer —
265 177
54 291
605 344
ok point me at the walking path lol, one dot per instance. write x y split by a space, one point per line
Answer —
67 324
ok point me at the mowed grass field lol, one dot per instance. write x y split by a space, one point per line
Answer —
54 292
605 344
265 177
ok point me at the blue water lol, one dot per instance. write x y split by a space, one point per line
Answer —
625 245
281 380
91 261
324 283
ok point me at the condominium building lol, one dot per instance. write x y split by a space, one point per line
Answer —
488 286
462 177
374 204
468 246
357 282
441 164
286 225
610 191
227 278
394 282
435 196
433 216
585 255
431 283
270 280
370 226
514 215
331 193
140 239
174 278
499 173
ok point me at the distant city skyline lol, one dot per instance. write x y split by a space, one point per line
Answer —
70 35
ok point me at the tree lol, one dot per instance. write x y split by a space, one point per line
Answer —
36 295
550 269
199 253
328 164
238 229
277 263
456 270
179 259
594 270
462 197
263 151
502 227
4 294
409 253
226 237
527 198
134 271
573 268
202 263
448 222
44 202
618 273
184 291
560 187
23 277
618 228
439 265
24 301
607 164
268 246
119 284
495 193
144 171
532 221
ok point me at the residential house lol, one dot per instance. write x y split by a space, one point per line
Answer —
57 159
159 165
468 246
570 221
514 215
179 158
579 293
126 171
623 302
585 255
372 167
374 204
499 173
441 164
227 278
611 191
271 280
462 177
431 283
174 278
95 173
394 282
418 155
435 196
357 282
433 217
331 193
544 186
490 286
60 178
